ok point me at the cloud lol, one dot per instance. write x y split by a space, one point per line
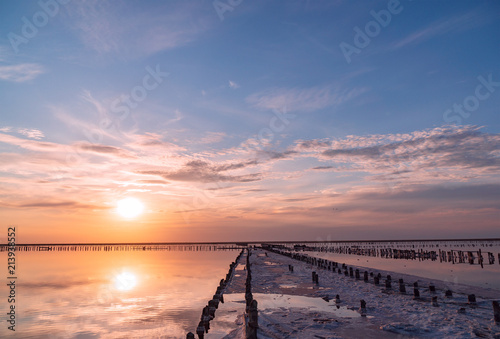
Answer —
233 84
151 29
20 72
443 153
6 129
323 167
102 149
32 145
213 137
31 133
457 24
53 204
302 99
202 171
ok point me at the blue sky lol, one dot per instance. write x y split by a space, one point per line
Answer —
237 116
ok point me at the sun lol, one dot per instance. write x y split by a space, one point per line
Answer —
129 207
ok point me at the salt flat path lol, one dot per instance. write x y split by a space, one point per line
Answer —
290 305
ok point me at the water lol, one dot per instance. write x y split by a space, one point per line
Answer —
159 292
115 294
443 268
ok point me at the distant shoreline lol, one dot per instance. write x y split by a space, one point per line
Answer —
245 243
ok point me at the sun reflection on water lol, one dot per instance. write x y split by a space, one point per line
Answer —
125 281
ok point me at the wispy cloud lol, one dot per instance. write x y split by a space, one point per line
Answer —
148 30
458 24
20 72
31 133
439 154
302 99
233 84
202 171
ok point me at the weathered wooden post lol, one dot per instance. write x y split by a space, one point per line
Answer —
388 284
190 335
362 307
376 280
357 274
448 293
471 299
365 277
200 330
337 299
496 311
314 276
432 288
351 272
253 321
205 318
211 308
435 301
416 294
402 287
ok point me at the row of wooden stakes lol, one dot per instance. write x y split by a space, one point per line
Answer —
208 312
376 278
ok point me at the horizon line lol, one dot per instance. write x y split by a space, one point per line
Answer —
244 242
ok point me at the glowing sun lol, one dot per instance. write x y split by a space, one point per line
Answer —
129 207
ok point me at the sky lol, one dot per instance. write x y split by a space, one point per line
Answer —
237 120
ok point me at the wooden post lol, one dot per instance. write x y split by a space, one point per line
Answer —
200 330
376 280
402 287
432 288
253 322
471 299
435 301
337 299
416 294
448 294
365 278
496 311
357 274
388 284
190 335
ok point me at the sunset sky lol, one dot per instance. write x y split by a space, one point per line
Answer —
249 120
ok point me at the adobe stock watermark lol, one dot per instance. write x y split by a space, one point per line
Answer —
29 29
371 30
471 103
222 7
123 106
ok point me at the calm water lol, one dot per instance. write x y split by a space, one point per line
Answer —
487 276
160 294
125 294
